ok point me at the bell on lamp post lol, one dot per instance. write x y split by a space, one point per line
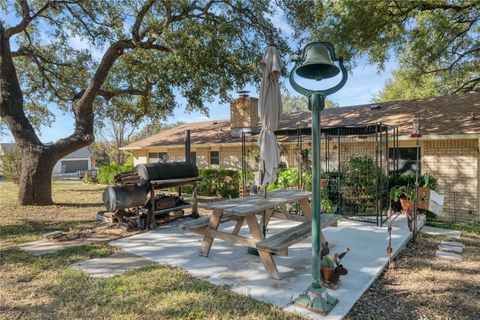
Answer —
317 63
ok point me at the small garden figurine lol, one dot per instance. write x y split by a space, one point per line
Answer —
331 269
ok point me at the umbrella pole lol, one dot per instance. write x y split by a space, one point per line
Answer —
316 298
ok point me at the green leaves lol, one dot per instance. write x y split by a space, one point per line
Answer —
199 49
430 38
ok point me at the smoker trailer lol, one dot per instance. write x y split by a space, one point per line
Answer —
134 192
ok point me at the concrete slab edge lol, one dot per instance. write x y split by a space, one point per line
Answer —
369 284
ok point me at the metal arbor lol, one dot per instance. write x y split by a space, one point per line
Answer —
358 164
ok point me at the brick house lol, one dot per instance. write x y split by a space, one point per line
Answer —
449 148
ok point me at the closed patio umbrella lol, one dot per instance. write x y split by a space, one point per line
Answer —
270 112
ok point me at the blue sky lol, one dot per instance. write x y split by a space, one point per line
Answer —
363 83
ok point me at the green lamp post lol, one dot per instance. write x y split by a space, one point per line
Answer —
316 63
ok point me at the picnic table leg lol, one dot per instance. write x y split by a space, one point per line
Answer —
306 209
265 256
267 215
307 212
208 240
238 226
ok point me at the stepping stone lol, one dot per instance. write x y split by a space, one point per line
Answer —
112 265
44 246
452 243
441 232
448 255
450 248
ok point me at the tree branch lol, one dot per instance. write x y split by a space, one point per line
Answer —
109 94
84 24
27 18
429 6
466 87
139 20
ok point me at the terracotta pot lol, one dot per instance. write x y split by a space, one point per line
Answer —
406 204
323 183
327 274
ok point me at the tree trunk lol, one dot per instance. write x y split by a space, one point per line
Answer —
38 159
36 177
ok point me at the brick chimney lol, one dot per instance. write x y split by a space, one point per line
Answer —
244 115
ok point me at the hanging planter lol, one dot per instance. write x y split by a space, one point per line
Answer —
406 204
406 196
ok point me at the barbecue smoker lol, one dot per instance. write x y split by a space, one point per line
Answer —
133 200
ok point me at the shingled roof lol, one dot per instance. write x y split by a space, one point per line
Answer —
447 115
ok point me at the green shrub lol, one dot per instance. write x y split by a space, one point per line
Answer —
11 165
219 182
106 174
424 181
288 178
359 184
89 177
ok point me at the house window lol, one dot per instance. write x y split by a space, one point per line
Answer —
407 160
193 157
214 157
155 157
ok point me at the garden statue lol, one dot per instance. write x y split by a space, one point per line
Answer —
331 269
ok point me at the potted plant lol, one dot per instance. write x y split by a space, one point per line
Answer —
406 195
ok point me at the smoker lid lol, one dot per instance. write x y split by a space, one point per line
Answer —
166 171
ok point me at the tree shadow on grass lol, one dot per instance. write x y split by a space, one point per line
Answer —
33 228
87 190
154 292
79 205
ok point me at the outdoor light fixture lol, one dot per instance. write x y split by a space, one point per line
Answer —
316 63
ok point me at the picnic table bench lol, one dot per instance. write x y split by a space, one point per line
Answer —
246 209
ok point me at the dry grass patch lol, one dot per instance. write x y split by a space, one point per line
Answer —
422 286
46 287
75 208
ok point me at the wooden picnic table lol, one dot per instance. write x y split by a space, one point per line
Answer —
244 210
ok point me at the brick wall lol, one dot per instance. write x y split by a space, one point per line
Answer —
244 112
455 164
177 155
140 157
231 158
202 157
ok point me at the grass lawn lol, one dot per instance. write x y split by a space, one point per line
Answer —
420 287
47 288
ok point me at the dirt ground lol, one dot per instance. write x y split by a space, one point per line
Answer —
421 286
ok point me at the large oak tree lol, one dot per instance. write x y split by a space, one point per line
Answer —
151 49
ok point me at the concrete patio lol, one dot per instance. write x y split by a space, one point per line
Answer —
231 265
